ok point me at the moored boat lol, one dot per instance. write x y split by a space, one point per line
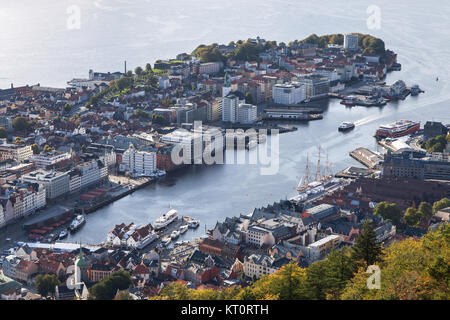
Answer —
166 241
183 229
166 219
77 223
349 101
193 224
175 234
63 234
397 129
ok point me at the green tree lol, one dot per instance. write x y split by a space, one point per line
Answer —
436 144
47 148
148 67
67 107
19 141
289 284
138 71
412 216
107 288
248 98
3 133
175 291
412 269
123 295
366 248
317 281
35 148
159 119
246 294
210 53
426 210
20 124
441 204
141 114
388 211
46 284
340 269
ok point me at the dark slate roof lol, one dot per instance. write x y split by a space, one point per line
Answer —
414 232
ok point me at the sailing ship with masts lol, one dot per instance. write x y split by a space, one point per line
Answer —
324 180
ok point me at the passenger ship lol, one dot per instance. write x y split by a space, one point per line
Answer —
397 129
166 219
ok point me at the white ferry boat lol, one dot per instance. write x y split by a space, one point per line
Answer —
166 219
397 129
147 240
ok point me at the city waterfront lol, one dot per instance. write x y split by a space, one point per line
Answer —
212 193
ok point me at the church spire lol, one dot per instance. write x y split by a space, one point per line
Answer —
227 82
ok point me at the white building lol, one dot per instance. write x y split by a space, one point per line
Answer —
55 183
288 93
319 249
209 67
92 172
316 86
257 265
351 41
163 82
214 110
138 162
246 113
230 105
188 142
16 152
43 160
259 236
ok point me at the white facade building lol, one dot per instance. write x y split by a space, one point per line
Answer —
47 159
288 93
188 141
246 113
138 162
230 105
92 172
55 183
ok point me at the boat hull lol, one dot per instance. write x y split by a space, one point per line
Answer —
387 134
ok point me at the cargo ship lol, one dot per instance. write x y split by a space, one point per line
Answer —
397 129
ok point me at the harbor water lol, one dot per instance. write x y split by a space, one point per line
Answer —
38 47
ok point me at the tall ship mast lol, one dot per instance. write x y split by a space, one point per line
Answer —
318 175
322 175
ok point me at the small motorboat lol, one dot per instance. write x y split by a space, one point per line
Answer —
183 229
166 241
345 126
175 234
194 224
63 234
